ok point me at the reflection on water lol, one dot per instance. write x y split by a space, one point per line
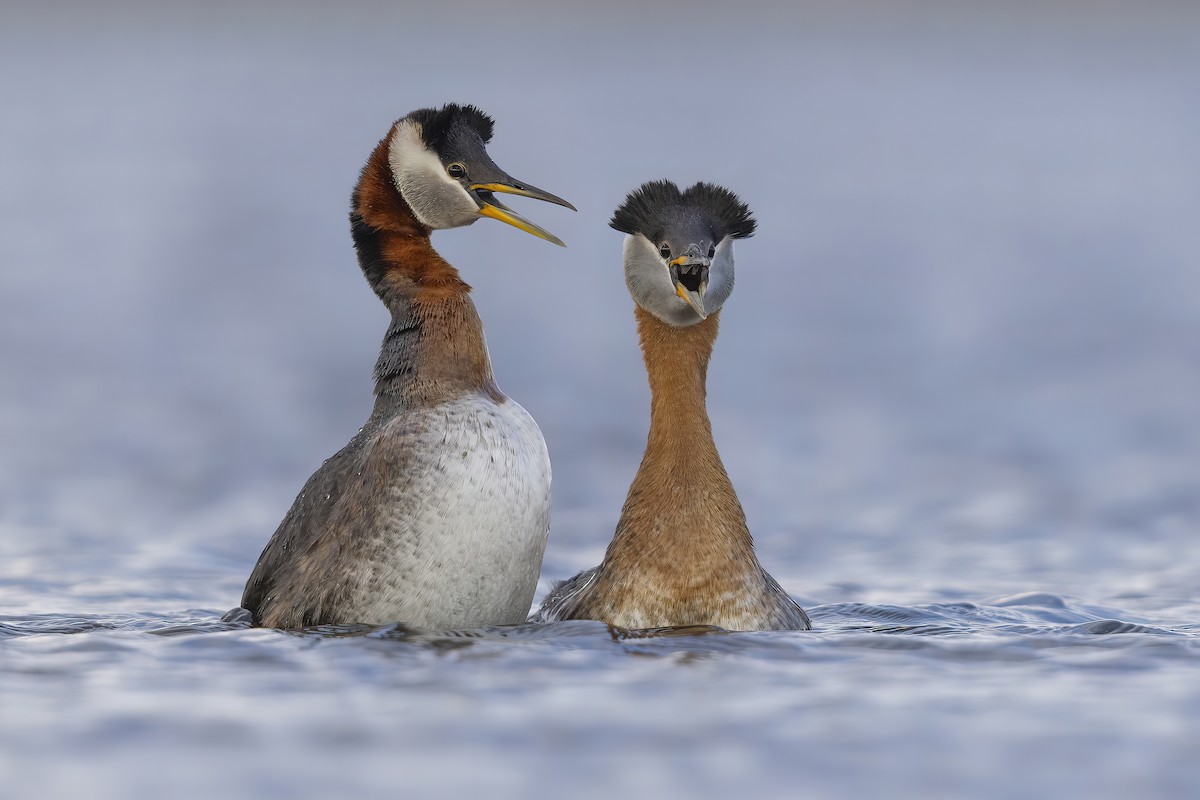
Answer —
955 388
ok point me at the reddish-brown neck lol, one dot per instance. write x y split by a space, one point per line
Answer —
434 349
681 511
677 368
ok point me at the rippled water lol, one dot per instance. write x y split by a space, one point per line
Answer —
956 388
1030 695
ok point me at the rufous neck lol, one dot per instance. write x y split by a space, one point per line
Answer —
677 367
434 349
393 247
682 515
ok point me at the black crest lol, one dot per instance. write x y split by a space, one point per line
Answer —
438 124
651 208
645 208
724 205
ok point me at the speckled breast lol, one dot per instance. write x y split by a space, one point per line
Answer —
461 542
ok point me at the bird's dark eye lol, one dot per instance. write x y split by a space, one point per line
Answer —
712 250
456 170
664 251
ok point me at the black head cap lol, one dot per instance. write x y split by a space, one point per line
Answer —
655 207
442 127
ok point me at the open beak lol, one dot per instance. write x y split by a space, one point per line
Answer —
489 206
689 274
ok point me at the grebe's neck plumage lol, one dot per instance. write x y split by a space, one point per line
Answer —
434 348
682 511
682 553
682 547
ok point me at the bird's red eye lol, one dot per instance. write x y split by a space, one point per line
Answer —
456 170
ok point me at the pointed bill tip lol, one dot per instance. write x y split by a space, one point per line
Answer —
693 299
511 186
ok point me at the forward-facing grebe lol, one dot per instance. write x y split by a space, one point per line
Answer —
436 513
682 554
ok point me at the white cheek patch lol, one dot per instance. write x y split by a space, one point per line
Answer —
720 276
437 200
649 282
644 266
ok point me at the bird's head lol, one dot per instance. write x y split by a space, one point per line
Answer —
442 170
679 251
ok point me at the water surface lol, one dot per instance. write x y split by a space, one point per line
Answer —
955 387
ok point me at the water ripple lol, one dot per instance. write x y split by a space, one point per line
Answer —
996 624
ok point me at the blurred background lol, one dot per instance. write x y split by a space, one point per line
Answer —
972 307
962 359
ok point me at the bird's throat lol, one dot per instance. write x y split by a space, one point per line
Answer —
677 368
682 514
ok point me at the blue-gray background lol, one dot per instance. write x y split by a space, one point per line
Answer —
962 363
